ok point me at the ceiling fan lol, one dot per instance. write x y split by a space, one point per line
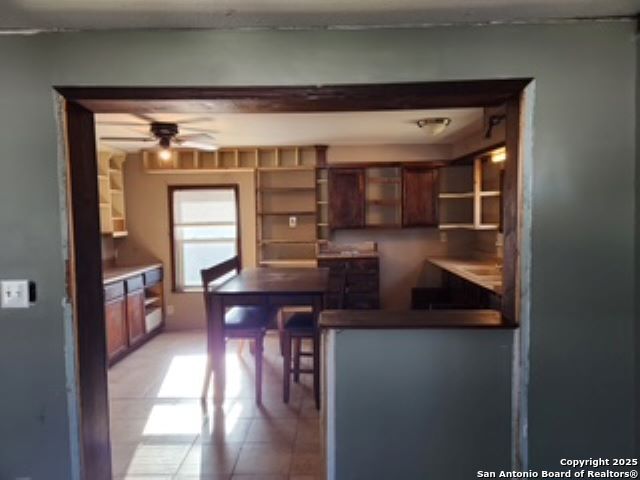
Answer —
167 135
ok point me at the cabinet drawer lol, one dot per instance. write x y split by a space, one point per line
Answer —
362 283
362 301
113 291
153 276
134 284
363 265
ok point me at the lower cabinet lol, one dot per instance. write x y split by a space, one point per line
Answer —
133 312
135 316
361 278
115 318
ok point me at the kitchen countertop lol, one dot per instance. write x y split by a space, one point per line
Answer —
347 254
389 319
484 273
118 273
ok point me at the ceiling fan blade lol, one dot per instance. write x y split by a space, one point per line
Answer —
145 118
191 121
201 141
128 139
206 131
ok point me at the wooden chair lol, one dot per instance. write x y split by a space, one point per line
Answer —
239 322
298 327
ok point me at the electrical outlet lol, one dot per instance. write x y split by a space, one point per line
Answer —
15 293
293 222
170 310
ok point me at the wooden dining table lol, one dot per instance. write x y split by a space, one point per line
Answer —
268 287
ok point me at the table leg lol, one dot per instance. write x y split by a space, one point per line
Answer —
318 305
218 350
208 371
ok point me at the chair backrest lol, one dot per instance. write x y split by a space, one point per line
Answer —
212 274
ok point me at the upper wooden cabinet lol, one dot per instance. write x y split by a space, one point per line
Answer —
419 196
347 198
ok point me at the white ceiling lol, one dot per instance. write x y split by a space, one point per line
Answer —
108 14
270 129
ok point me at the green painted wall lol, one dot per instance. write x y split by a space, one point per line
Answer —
582 312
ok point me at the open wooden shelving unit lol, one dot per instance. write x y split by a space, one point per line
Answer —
238 158
471 196
113 220
322 206
286 206
383 197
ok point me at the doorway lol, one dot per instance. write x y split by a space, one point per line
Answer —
85 269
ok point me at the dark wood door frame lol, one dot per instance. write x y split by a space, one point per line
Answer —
85 267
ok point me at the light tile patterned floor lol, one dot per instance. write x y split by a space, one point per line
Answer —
161 431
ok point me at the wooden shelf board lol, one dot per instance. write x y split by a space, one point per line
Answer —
323 224
297 262
296 212
493 193
487 226
291 168
385 180
383 225
384 203
284 241
451 226
121 233
456 195
286 189
150 300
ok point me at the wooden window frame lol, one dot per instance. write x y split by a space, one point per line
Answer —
171 189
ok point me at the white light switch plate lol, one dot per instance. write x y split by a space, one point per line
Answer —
14 293
293 222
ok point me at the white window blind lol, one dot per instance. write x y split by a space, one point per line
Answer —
205 232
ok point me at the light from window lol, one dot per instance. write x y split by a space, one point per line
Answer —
205 232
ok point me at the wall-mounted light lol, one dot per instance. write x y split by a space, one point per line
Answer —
499 155
434 125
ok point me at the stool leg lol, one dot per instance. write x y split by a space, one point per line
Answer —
296 359
286 367
316 368
258 348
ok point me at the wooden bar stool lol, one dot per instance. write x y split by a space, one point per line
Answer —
302 326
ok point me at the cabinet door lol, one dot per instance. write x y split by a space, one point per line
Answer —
346 198
135 316
419 197
115 313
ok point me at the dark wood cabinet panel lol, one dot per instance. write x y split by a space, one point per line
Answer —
346 198
362 283
115 317
420 196
135 316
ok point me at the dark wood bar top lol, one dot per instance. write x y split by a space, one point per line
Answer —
407 319
114 274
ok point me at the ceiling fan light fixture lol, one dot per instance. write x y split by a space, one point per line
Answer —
434 125
164 154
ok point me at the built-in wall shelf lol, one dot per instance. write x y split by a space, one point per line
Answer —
471 196
287 208
111 194
232 158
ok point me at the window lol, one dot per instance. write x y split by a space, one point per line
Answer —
204 230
